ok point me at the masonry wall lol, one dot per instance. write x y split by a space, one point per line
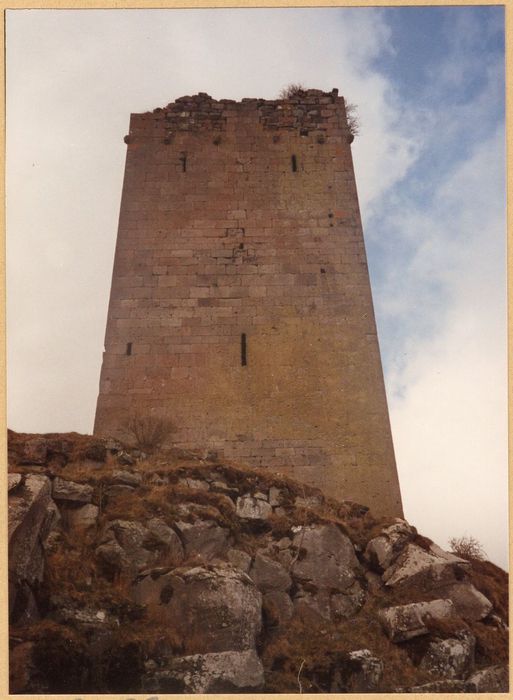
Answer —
240 305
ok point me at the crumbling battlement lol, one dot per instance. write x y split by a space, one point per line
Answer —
313 113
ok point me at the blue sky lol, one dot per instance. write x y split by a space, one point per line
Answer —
446 65
429 161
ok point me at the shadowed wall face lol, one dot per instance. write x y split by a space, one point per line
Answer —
240 306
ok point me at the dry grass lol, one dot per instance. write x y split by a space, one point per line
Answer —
85 473
72 573
492 644
492 581
60 656
322 649
61 447
353 120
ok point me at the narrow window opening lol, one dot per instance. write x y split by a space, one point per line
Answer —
183 161
323 271
241 246
243 356
294 164
129 348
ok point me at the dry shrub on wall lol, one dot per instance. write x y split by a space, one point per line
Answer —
149 432
291 90
353 119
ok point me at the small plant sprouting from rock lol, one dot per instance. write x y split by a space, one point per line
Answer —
291 91
467 548
353 120
149 432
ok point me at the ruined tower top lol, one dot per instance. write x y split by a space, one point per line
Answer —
305 110
240 305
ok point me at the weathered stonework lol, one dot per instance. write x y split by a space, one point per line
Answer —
241 306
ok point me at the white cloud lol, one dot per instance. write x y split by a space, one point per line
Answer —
449 396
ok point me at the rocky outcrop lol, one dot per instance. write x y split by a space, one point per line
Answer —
178 574
325 568
222 672
382 551
211 610
31 516
367 672
489 680
426 568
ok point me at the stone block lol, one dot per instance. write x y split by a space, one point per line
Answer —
13 481
251 508
428 568
239 559
470 604
203 537
367 674
403 622
63 490
269 575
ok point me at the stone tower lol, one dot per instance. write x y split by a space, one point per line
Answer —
240 306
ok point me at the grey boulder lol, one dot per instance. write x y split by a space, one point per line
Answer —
214 609
367 673
269 575
63 490
470 603
450 658
203 537
382 551
221 672
251 508
29 511
402 622
494 679
324 570
428 569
